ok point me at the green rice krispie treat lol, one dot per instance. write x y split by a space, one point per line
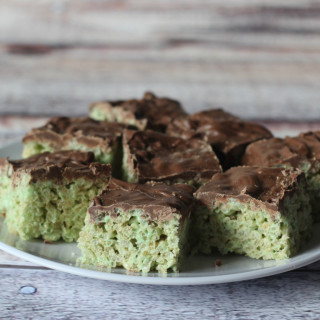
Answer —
85 134
155 156
138 227
261 212
302 152
47 195
150 112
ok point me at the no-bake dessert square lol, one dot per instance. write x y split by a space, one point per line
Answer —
47 195
227 134
301 152
138 227
155 156
150 112
85 134
261 212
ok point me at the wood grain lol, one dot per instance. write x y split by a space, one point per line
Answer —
293 295
7 259
258 59
13 128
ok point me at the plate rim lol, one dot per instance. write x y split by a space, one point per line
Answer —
158 280
296 262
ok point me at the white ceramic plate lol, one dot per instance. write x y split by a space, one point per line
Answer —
197 270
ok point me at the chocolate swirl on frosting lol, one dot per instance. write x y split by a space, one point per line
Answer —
58 166
59 131
290 151
228 135
265 187
158 157
151 111
158 201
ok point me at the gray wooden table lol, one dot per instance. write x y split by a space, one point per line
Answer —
258 59
293 295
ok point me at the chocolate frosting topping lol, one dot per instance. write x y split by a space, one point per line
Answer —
265 187
161 111
155 113
157 156
291 151
270 152
187 126
159 201
61 130
227 134
57 166
308 140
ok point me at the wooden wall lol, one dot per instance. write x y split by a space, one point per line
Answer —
258 59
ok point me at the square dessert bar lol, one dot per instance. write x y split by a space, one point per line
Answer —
257 211
302 152
155 156
227 134
138 227
47 195
150 112
62 133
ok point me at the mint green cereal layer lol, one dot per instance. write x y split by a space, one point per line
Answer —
36 147
139 227
42 198
264 213
49 211
133 242
236 227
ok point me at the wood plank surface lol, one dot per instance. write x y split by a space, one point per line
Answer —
293 295
12 128
9 260
258 59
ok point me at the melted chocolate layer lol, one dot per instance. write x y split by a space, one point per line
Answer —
156 156
227 134
153 112
291 151
59 131
187 126
158 201
265 187
58 166
310 140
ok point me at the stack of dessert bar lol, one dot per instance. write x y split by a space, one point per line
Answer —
141 184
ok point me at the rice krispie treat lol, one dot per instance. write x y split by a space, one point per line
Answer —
155 156
138 227
227 134
150 112
257 211
301 152
47 195
63 133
